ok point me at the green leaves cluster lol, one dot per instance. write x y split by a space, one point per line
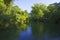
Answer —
50 13
39 11
11 16
14 16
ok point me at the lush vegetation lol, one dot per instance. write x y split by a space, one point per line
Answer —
13 16
41 18
47 14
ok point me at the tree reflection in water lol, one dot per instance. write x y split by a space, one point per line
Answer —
35 31
47 31
11 33
54 30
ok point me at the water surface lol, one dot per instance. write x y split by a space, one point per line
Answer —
34 31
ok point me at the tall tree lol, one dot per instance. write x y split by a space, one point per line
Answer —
39 11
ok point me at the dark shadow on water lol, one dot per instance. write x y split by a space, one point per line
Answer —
34 31
9 33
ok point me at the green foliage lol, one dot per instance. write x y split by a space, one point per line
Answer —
11 16
8 2
39 11
54 16
51 7
49 13
36 11
2 6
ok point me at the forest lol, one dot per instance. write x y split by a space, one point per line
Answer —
14 16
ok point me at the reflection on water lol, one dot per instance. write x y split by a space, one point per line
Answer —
9 33
34 31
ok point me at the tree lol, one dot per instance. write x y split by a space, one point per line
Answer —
11 16
39 11
54 16
2 6
8 2
51 7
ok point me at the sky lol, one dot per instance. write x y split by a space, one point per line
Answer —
27 4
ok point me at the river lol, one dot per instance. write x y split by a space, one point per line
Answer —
34 31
